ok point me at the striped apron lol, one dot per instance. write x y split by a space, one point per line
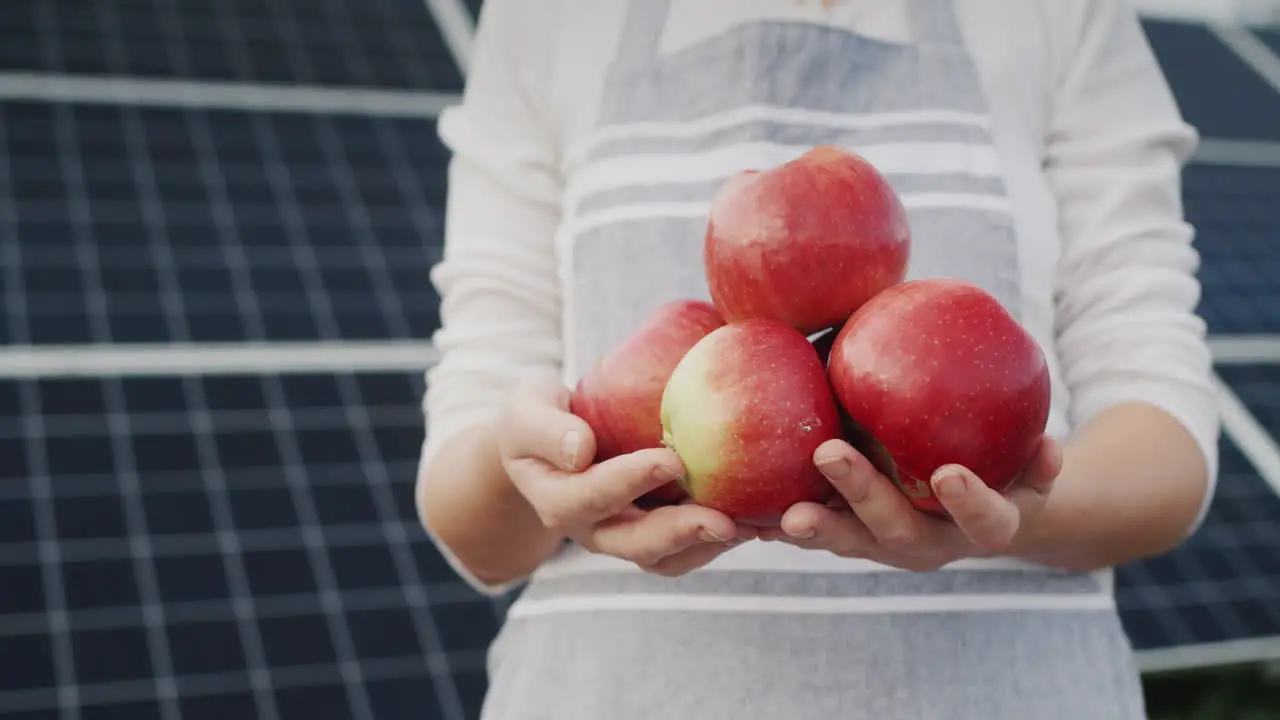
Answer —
768 630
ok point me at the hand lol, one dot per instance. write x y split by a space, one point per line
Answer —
546 451
872 519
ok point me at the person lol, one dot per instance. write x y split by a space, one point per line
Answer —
1037 150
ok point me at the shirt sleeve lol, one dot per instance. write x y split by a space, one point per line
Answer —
497 279
1127 289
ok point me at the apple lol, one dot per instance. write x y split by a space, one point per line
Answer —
806 242
620 397
936 371
745 409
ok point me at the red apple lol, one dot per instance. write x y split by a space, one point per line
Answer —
745 409
933 372
620 398
806 242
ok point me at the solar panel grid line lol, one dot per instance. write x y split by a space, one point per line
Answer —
214 94
398 540
215 182
316 542
454 20
153 212
50 556
15 296
213 359
230 544
1251 50
1231 152
1258 445
1191 657
80 220
141 552
1252 349
223 683
358 218
203 611
393 147
185 545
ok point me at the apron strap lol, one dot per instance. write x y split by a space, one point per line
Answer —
642 31
934 21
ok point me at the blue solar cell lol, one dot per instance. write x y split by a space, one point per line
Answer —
147 225
1215 90
367 43
1234 212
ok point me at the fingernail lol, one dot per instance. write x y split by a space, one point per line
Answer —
569 449
662 472
835 468
949 484
804 534
706 535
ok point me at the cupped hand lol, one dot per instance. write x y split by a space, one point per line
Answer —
547 452
872 519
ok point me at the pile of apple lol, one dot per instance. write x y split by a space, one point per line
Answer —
813 333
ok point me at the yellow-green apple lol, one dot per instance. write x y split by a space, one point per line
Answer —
806 242
620 397
745 409
936 371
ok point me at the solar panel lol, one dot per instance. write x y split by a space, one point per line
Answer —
1217 93
161 225
1234 212
1223 584
235 546
370 43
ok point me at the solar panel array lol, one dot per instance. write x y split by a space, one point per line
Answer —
244 544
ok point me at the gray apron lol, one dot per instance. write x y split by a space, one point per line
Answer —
620 271
631 244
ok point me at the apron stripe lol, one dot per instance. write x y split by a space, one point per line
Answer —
941 157
657 212
914 190
882 584
769 122
809 605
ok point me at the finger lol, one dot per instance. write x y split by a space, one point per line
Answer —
1045 466
814 526
892 520
690 559
567 500
539 426
1031 492
662 532
989 519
